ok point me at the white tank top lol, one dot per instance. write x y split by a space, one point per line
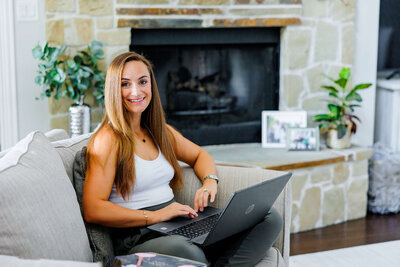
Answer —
151 184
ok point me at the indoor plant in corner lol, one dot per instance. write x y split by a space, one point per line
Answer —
340 121
72 77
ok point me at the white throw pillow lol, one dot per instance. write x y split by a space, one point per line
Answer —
52 135
39 212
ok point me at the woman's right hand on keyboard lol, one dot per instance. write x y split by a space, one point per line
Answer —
175 209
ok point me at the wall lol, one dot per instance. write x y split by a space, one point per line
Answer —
365 66
331 193
8 88
322 44
32 114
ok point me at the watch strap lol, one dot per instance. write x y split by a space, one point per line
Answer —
211 176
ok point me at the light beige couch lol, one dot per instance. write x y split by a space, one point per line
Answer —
231 179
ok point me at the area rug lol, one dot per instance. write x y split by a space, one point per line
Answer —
385 254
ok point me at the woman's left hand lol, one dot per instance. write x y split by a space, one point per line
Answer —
208 190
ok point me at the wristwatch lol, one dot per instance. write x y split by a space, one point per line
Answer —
211 176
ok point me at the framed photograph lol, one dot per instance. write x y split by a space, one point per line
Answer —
275 124
303 139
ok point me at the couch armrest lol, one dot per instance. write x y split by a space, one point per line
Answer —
234 178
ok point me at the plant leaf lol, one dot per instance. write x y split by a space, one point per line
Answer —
355 117
324 125
53 54
49 64
87 70
345 73
354 106
71 64
83 85
62 50
78 59
62 74
360 87
95 45
333 108
330 88
323 117
353 97
42 67
341 130
48 92
333 95
43 45
98 54
98 76
354 128
39 80
341 82
37 52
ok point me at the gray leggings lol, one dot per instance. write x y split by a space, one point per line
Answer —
243 249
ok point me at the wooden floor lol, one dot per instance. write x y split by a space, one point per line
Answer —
372 229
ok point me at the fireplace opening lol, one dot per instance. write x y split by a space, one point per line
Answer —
214 82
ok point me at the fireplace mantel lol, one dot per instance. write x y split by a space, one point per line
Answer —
253 155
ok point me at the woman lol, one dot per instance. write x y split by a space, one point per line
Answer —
132 171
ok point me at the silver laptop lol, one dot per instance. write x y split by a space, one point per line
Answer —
244 209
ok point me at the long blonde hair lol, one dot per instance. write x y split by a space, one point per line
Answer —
117 118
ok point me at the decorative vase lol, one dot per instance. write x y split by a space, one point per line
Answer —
79 118
334 142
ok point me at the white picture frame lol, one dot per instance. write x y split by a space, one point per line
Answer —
274 126
303 139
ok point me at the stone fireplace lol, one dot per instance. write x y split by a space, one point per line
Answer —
214 81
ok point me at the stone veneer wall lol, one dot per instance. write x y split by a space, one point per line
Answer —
323 43
317 36
330 194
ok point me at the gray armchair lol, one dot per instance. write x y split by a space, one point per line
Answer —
234 178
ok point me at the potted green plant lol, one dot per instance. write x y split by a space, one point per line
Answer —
71 77
340 121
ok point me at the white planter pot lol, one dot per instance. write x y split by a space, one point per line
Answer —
334 142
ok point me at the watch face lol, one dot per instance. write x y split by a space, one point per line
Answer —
215 177
212 176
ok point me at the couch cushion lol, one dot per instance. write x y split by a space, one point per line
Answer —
39 212
99 236
52 135
67 149
56 135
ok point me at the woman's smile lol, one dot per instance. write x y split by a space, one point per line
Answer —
137 100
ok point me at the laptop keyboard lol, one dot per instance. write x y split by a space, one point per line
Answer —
196 228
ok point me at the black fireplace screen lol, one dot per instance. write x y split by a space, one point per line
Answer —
214 86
